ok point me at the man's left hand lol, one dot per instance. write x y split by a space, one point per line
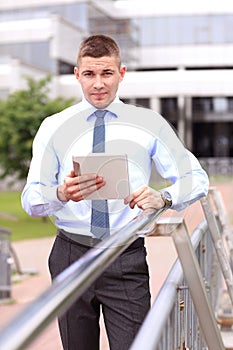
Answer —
145 198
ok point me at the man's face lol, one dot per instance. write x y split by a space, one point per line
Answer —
99 79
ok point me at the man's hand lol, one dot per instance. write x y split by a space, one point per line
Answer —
77 188
145 198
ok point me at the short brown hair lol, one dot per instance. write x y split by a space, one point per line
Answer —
99 45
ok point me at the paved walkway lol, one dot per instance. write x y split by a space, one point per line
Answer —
33 255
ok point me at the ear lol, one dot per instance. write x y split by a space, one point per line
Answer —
76 72
122 72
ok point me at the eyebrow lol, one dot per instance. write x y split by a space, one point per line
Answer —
87 71
104 70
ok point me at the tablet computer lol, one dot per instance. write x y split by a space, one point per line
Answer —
114 170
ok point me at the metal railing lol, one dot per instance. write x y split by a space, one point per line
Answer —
217 165
183 315
5 264
172 322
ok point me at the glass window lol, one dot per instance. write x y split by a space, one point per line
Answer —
36 54
213 139
169 109
180 30
202 105
203 139
220 104
218 29
228 32
230 104
75 13
143 102
201 30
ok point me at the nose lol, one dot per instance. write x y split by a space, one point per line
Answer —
98 84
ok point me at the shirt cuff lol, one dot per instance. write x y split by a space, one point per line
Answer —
50 197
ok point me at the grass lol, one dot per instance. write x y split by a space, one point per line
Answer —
21 224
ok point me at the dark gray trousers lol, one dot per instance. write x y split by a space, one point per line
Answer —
122 291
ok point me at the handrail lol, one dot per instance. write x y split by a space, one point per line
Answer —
153 325
71 283
156 326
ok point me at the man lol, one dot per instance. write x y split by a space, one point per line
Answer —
53 189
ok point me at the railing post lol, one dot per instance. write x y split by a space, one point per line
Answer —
218 244
196 286
224 221
177 229
5 264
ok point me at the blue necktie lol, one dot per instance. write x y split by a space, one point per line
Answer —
99 215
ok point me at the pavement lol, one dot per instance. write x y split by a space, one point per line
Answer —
33 257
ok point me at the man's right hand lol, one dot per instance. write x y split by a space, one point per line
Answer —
77 188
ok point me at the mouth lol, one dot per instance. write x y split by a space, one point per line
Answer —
99 95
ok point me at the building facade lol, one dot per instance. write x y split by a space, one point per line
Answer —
179 58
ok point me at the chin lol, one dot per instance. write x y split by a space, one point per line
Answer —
100 105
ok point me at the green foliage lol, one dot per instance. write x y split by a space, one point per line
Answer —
20 117
22 226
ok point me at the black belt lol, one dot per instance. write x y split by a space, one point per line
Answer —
79 239
89 241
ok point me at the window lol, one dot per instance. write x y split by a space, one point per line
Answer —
185 30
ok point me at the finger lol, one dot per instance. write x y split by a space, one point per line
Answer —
71 174
78 180
132 198
88 190
151 202
128 199
98 181
81 190
140 191
80 194
90 186
140 203
89 177
137 200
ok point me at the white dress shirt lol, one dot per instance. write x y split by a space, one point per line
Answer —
142 134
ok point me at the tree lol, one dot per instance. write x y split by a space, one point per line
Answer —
20 117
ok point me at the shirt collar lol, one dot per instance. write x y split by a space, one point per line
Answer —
84 104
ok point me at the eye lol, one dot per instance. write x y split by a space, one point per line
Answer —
108 73
87 74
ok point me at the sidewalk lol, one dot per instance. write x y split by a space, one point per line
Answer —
33 255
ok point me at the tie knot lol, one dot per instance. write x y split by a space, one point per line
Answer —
100 113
